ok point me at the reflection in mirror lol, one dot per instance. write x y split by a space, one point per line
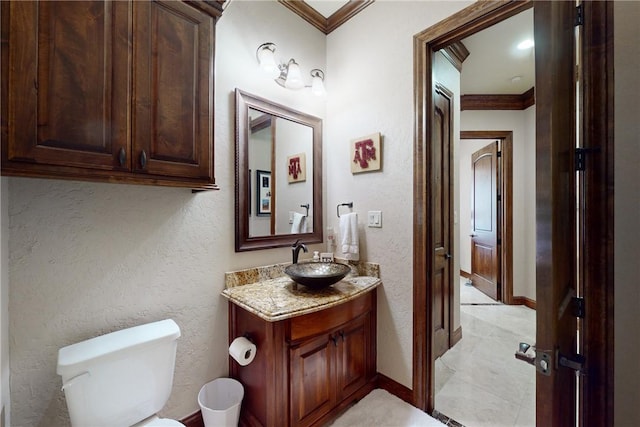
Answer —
280 152
278 175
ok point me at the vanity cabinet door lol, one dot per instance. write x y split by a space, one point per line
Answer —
313 391
68 83
173 90
353 356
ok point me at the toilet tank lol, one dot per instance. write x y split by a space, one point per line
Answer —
120 378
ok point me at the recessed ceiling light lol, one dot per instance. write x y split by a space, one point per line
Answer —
526 44
516 79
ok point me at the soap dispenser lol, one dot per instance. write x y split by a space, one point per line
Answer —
316 256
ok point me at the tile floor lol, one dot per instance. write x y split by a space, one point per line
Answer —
479 382
382 409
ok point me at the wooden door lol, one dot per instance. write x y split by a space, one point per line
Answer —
442 244
556 210
312 384
485 256
68 83
353 353
173 90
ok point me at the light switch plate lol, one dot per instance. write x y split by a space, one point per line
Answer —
374 219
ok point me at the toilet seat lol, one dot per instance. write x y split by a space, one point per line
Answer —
155 421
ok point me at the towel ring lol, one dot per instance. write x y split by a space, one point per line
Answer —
306 206
349 205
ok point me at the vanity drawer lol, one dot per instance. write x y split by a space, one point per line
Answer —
316 323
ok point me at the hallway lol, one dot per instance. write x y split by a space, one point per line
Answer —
478 381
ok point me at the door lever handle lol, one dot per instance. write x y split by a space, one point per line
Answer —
521 354
531 360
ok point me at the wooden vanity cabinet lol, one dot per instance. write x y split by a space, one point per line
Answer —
307 368
109 91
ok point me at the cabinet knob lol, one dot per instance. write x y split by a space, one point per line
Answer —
342 335
143 159
122 156
335 340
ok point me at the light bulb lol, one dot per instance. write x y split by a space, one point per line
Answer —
294 77
317 85
267 60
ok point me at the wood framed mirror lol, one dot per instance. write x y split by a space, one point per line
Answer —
278 175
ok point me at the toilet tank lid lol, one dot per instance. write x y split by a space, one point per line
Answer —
113 342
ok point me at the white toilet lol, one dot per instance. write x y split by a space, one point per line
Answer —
121 379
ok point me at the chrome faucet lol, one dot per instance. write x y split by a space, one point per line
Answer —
295 249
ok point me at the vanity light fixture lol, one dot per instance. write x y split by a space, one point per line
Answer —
288 75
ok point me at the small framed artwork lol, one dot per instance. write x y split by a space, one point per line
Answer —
297 167
263 193
366 155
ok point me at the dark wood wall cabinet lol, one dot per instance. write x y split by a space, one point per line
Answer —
309 368
117 91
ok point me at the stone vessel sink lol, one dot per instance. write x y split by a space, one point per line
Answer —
317 275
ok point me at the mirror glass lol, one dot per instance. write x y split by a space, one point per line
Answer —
278 175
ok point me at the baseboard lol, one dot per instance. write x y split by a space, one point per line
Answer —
465 274
193 420
524 301
395 388
455 337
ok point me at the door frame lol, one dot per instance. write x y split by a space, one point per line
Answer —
598 254
505 233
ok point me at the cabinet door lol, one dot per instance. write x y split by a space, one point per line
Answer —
353 354
68 83
312 386
173 90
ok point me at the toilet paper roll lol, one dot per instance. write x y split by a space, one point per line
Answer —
242 350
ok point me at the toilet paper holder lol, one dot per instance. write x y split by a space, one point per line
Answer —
246 335
243 349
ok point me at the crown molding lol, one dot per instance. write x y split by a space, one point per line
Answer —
326 25
498 102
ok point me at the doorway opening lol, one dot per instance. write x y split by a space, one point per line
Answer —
502 219
555 73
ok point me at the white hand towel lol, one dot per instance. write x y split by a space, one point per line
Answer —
299 223
349 236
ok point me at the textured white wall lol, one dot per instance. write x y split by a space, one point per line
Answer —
522 123
5 401
627 212
88 258
370 86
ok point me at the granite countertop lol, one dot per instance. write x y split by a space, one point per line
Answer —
274 296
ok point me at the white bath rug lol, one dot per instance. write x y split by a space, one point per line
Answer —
382 409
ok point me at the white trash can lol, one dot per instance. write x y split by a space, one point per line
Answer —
220 401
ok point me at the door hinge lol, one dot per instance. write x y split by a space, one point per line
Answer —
578 307
499 197
576 304
499 154
581 157
580 154
579 19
